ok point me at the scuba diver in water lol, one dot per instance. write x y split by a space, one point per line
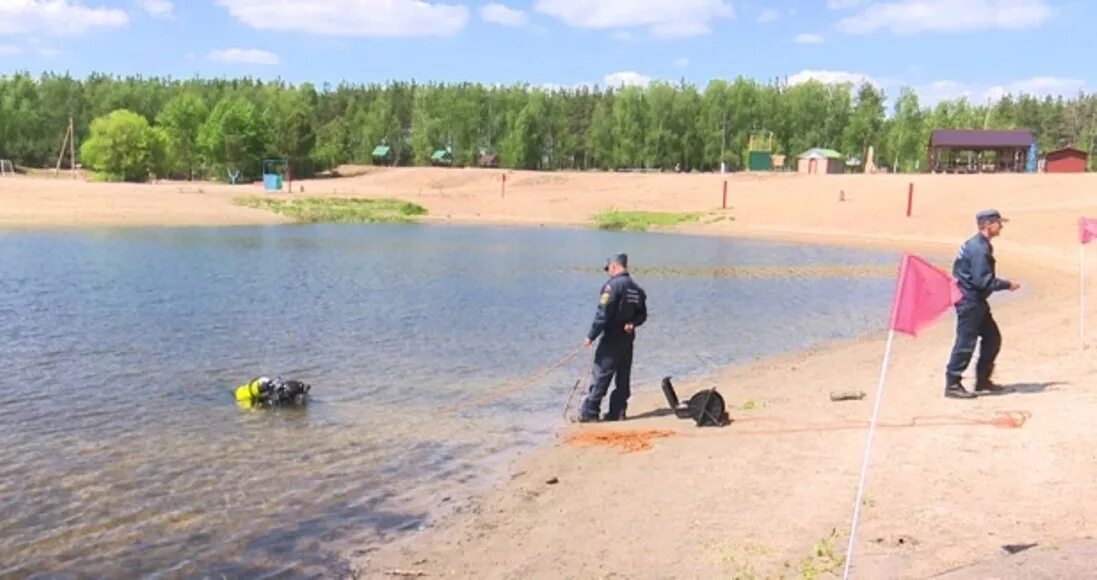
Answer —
268 392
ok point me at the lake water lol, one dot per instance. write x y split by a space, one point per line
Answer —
122 452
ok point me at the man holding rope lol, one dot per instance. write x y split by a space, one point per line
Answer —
975 274
622 307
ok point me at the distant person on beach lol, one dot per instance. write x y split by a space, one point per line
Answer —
974 270
622 308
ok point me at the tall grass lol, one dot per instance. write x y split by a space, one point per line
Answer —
338 209
641 221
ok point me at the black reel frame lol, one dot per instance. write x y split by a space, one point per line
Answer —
706 408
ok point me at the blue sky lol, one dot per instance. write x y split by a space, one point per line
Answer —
943 48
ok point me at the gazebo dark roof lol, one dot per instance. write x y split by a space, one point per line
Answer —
978 139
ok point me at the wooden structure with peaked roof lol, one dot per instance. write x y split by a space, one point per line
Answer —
382 155
821 161
442 157
979 151
1066 160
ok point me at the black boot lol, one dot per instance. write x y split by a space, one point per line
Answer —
957 391
614 417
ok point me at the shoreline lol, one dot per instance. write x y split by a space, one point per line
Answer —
538 477
771 494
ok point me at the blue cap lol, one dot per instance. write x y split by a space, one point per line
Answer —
621 259
989 215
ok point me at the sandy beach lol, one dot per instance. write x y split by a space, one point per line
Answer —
951 482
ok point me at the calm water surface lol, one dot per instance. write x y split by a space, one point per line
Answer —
122 452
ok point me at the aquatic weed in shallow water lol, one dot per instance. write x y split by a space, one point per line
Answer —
641 221
337 209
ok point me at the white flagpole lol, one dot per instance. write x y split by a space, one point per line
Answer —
1082 297
868 448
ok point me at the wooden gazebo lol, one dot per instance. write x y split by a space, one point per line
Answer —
979 151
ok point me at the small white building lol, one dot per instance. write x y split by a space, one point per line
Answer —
819 161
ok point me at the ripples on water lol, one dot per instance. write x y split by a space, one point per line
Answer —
122 453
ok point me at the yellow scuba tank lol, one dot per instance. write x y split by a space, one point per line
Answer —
252 392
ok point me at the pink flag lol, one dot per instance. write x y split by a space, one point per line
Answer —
1087 230
924 292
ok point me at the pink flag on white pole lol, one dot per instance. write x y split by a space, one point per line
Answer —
924 293
1087 230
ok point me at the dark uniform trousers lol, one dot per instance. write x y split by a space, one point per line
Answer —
974 321
612 359
622 302
974 270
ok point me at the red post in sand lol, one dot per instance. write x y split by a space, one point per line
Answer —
725 205
504 194
910 199
841 195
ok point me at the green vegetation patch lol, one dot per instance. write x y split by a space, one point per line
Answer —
345 210
641 221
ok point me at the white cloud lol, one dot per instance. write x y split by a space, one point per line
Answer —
626 79
907 17
503 15
1044 86
830 77
157 8
48 52
58 17
9 50
245 56
680 18
978 94
681 62
769 15
809 38
388 18
843 4
558 87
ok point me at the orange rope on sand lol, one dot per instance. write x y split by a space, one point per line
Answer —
1001 420
627 441
633 441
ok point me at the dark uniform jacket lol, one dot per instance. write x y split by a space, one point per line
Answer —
974 269
622 301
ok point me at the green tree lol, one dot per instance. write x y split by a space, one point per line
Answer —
629 127
290 119
662 125
866 123
233 139
181 120
524 145
661 145
909 131
600 135
123 147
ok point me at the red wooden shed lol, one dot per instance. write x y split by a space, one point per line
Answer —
1066 160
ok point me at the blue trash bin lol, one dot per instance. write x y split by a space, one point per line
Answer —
272 182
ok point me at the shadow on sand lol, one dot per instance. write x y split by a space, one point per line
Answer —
1025 389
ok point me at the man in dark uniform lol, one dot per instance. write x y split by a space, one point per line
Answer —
975 275
622 308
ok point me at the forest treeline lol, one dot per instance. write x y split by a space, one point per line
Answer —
133 127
